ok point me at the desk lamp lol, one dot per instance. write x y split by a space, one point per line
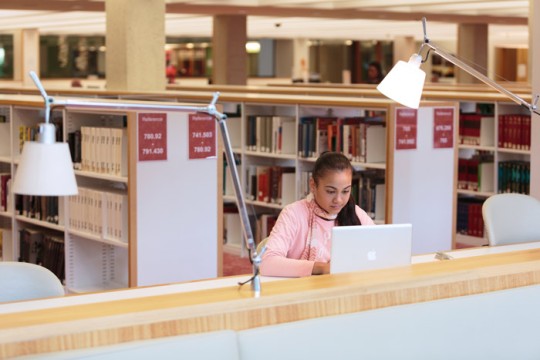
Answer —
38 155
404 83
45 167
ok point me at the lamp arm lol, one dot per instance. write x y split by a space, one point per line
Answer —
471 71
255 257
48 100
480 76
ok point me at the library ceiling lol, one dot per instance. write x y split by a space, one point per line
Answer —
337 19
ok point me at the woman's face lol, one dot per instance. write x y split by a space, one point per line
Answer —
373 73
333 190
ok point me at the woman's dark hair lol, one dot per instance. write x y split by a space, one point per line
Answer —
334 161
377 66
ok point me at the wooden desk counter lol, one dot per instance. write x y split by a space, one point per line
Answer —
231 307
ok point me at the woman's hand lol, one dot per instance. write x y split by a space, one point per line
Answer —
320 268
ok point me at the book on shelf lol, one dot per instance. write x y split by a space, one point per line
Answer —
469 217
270 134
514 176
116 216
361 139
27 133
43 249
99 149
306 137
284 135
514 131
369 192
251 182
251 140
30 245
43 208
99 213
469 129
5 179
270 184
263 184
477 173
53 255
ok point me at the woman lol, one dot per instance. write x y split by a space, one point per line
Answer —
300 242
374 73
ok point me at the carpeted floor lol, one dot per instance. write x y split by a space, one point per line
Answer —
235 265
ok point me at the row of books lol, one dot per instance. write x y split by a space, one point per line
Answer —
5 184
515 131
476 129
43 249
43 208
99 149
29 133
469 217
476 173
99 213
369 192
271 184
514 176
361 139
272 134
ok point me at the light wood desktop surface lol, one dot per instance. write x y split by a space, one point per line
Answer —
176 309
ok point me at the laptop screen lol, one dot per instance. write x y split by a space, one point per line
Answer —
356 248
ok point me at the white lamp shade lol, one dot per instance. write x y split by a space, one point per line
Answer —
45 169
404 83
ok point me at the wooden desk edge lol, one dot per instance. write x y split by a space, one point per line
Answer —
281 302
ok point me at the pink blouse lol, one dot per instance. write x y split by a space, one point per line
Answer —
287 243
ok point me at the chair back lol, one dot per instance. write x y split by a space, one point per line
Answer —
25 281
511 218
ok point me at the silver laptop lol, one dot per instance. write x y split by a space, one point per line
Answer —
356 248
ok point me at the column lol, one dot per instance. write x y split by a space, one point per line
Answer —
285 58
534 71
229 50
25 55
472 47
135 39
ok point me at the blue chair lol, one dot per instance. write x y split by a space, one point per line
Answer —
511 218
25 281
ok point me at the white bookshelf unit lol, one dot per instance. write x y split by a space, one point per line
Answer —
135 221
502 166
380 144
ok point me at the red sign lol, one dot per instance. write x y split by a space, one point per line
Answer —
443 128
406 128
152 136
202 136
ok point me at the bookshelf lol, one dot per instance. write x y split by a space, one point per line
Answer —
468 97
136 221
494 159
338 96
391 183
